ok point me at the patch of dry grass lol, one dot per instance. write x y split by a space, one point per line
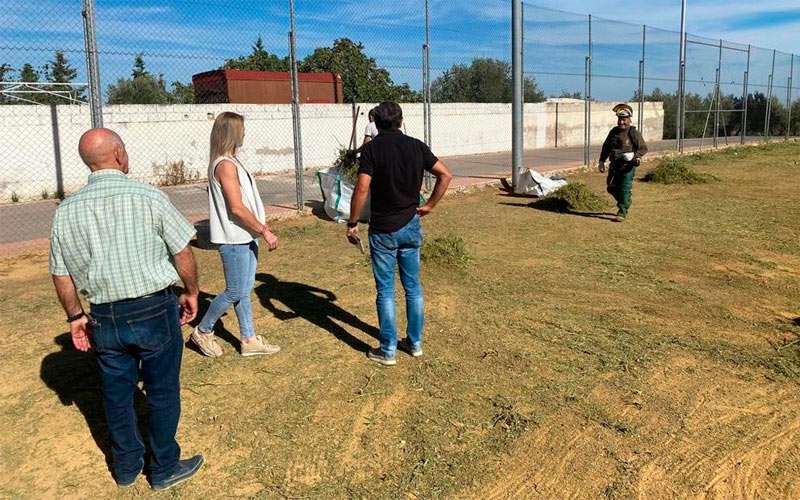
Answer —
577 357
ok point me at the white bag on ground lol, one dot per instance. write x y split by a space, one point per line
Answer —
336 195
532 182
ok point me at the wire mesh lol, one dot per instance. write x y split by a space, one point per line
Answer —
167 69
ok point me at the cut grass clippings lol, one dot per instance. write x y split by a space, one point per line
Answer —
674 170
448 251
574 197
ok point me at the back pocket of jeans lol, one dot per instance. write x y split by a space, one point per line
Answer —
153 331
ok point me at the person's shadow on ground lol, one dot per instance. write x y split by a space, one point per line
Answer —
547 205
313 304
73 375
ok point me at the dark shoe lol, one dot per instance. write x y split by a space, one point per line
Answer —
377 356
128 481
405 345
184 470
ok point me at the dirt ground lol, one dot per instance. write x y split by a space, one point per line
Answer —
573 357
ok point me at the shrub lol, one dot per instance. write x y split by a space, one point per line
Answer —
574 197
14 197
45 194
448 251
174 173
674 170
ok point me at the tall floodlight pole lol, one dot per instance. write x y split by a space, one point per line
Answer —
92 64
428 70
298 138
682 81
517 102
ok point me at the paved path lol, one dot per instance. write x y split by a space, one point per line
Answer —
23 222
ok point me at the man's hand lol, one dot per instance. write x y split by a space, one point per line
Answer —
270 239
601 166
188 303
352 235
424 210
81 332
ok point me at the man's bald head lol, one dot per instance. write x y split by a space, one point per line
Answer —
101 148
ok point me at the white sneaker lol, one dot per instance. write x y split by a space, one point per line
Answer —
258 347
207 343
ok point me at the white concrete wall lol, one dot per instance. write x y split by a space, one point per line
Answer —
156 135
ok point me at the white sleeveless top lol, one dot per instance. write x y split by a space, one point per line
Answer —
223 226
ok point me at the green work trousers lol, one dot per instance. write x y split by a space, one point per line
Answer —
619 184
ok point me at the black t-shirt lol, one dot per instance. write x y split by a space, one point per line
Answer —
396 163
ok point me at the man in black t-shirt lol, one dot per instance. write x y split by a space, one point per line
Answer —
391 170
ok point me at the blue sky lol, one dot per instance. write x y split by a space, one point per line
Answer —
182 37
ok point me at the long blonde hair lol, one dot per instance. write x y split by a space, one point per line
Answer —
226 135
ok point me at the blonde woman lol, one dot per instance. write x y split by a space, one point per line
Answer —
236 219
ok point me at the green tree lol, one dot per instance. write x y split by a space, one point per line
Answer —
182 93
484 80
139 69
142 88
362 79
5 75
60 71
29 74
258 60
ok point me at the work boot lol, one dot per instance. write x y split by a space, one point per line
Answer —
621 216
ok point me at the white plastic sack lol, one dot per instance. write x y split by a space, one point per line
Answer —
532 182
336 196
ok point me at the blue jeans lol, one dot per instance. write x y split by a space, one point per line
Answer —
133 337
388 250
239 264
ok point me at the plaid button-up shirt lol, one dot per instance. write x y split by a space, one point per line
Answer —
115 238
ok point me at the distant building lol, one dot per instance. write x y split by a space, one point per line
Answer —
265 87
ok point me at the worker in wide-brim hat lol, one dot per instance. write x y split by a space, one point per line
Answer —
624 146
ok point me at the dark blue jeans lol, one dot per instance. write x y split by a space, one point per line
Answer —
389 251
133 337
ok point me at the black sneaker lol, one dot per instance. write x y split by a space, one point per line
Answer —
405 345
184 470
377 356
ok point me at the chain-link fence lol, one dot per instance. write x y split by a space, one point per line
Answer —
167 69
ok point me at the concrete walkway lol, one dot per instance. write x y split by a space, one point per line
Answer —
28 224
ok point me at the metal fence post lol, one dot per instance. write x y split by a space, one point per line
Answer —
298 138
517 102
424 96
768 114
681 118
745 97
640 118
589 100
92 65
789 98
585 110
428 70
718 95
57 151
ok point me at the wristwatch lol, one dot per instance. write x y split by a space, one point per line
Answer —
352 224
75 317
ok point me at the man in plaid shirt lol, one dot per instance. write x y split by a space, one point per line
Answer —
122 245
